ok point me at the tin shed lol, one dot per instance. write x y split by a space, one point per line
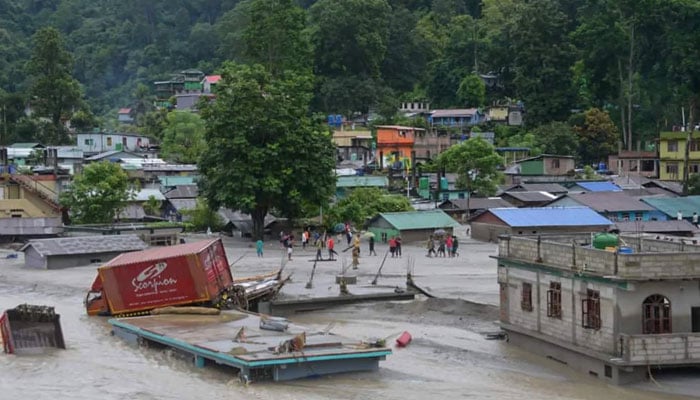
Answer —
68 252
412 226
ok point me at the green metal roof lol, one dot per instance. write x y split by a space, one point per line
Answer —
670 205
408 220
362 181
177 180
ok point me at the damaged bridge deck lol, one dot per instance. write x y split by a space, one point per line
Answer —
235 339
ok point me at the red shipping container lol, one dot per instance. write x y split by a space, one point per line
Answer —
183 274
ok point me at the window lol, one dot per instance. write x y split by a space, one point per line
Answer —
672 168
88 142
625 216
590 308
694 168
656 315
695 145
672 146
638 216
555 163
526 301
109 141
554 300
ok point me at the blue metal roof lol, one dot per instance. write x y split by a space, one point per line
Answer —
603 186
550 216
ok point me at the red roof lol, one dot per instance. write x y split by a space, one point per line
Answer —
213 78
124 111
160 253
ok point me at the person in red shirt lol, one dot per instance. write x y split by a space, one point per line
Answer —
331 244
392 246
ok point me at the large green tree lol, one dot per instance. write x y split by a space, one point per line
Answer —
542 58
597 135
476 163
98 194
557 138
54 92
183 137
264 150
350 42
364 203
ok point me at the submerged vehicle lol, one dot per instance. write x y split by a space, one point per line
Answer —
27 328
195 273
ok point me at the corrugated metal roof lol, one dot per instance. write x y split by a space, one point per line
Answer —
430 219
604 186
609 201
159 253
362 181
184 204
553 188
670 206
182 192
549 216
145 194
86 245
656 226
459 112
530 196
476 203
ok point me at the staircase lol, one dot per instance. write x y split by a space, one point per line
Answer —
48 195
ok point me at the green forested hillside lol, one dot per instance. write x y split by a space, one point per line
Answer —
637 59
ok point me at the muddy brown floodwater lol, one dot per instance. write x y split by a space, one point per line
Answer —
449 358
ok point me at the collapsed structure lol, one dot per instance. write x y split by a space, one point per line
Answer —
614 313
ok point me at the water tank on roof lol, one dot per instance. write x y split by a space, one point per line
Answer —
603 240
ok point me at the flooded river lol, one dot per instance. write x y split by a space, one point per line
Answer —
449 357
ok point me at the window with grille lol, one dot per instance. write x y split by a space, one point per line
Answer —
526 300
656 314
554 300
590 308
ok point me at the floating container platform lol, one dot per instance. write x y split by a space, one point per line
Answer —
235 339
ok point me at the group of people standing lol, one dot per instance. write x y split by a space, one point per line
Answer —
447 246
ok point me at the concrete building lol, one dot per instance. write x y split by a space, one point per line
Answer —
533 221
544 165
99 142
610 315
68 252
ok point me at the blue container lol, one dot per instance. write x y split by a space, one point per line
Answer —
626 250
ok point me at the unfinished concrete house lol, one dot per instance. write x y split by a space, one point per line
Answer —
617 313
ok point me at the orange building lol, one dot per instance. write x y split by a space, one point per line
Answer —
395 143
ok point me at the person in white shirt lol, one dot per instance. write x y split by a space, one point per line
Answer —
695 218
680 215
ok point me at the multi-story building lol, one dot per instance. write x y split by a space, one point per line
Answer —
29 206
395 144
672 154
615 315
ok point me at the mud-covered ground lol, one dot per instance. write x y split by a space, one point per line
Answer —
448 358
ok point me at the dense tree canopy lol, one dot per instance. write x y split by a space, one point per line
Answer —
364 203
476 162
98 194
264 150
637 60
183 137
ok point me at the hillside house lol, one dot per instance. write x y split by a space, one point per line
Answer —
395 144
92 143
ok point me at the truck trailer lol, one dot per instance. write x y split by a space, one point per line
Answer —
195 273
28 328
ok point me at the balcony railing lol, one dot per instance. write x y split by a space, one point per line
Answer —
668 348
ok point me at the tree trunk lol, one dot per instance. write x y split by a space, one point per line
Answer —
629 89
623 123
258 216
689 129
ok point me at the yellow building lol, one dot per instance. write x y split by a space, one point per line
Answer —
26 196
672 155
